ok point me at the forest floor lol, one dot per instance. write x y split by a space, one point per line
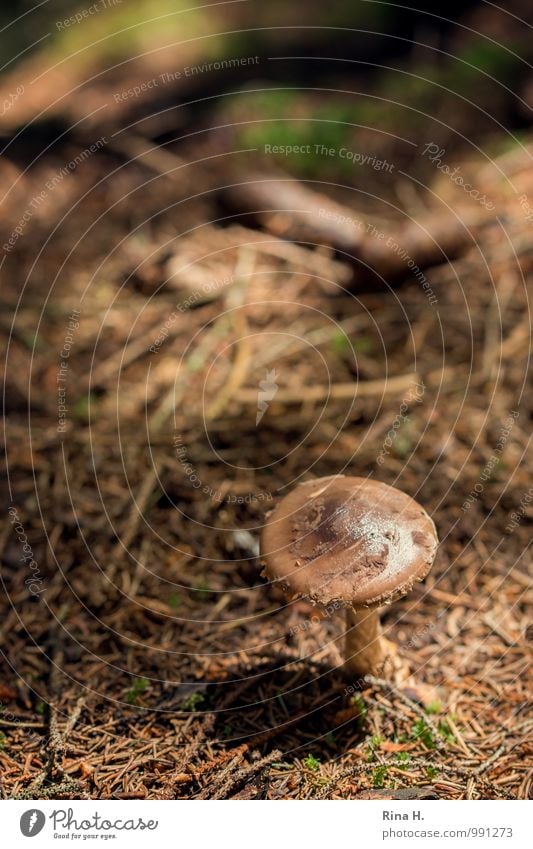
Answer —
143 655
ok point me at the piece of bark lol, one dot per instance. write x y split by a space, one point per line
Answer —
426 791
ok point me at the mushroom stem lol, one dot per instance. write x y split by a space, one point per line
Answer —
365 646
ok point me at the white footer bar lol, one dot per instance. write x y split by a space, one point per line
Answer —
267 825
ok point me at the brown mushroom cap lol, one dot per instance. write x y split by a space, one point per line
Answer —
350 540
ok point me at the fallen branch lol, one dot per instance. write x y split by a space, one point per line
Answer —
289 209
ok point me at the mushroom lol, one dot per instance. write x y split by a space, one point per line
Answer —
350 542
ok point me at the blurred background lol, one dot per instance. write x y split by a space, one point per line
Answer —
347 71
